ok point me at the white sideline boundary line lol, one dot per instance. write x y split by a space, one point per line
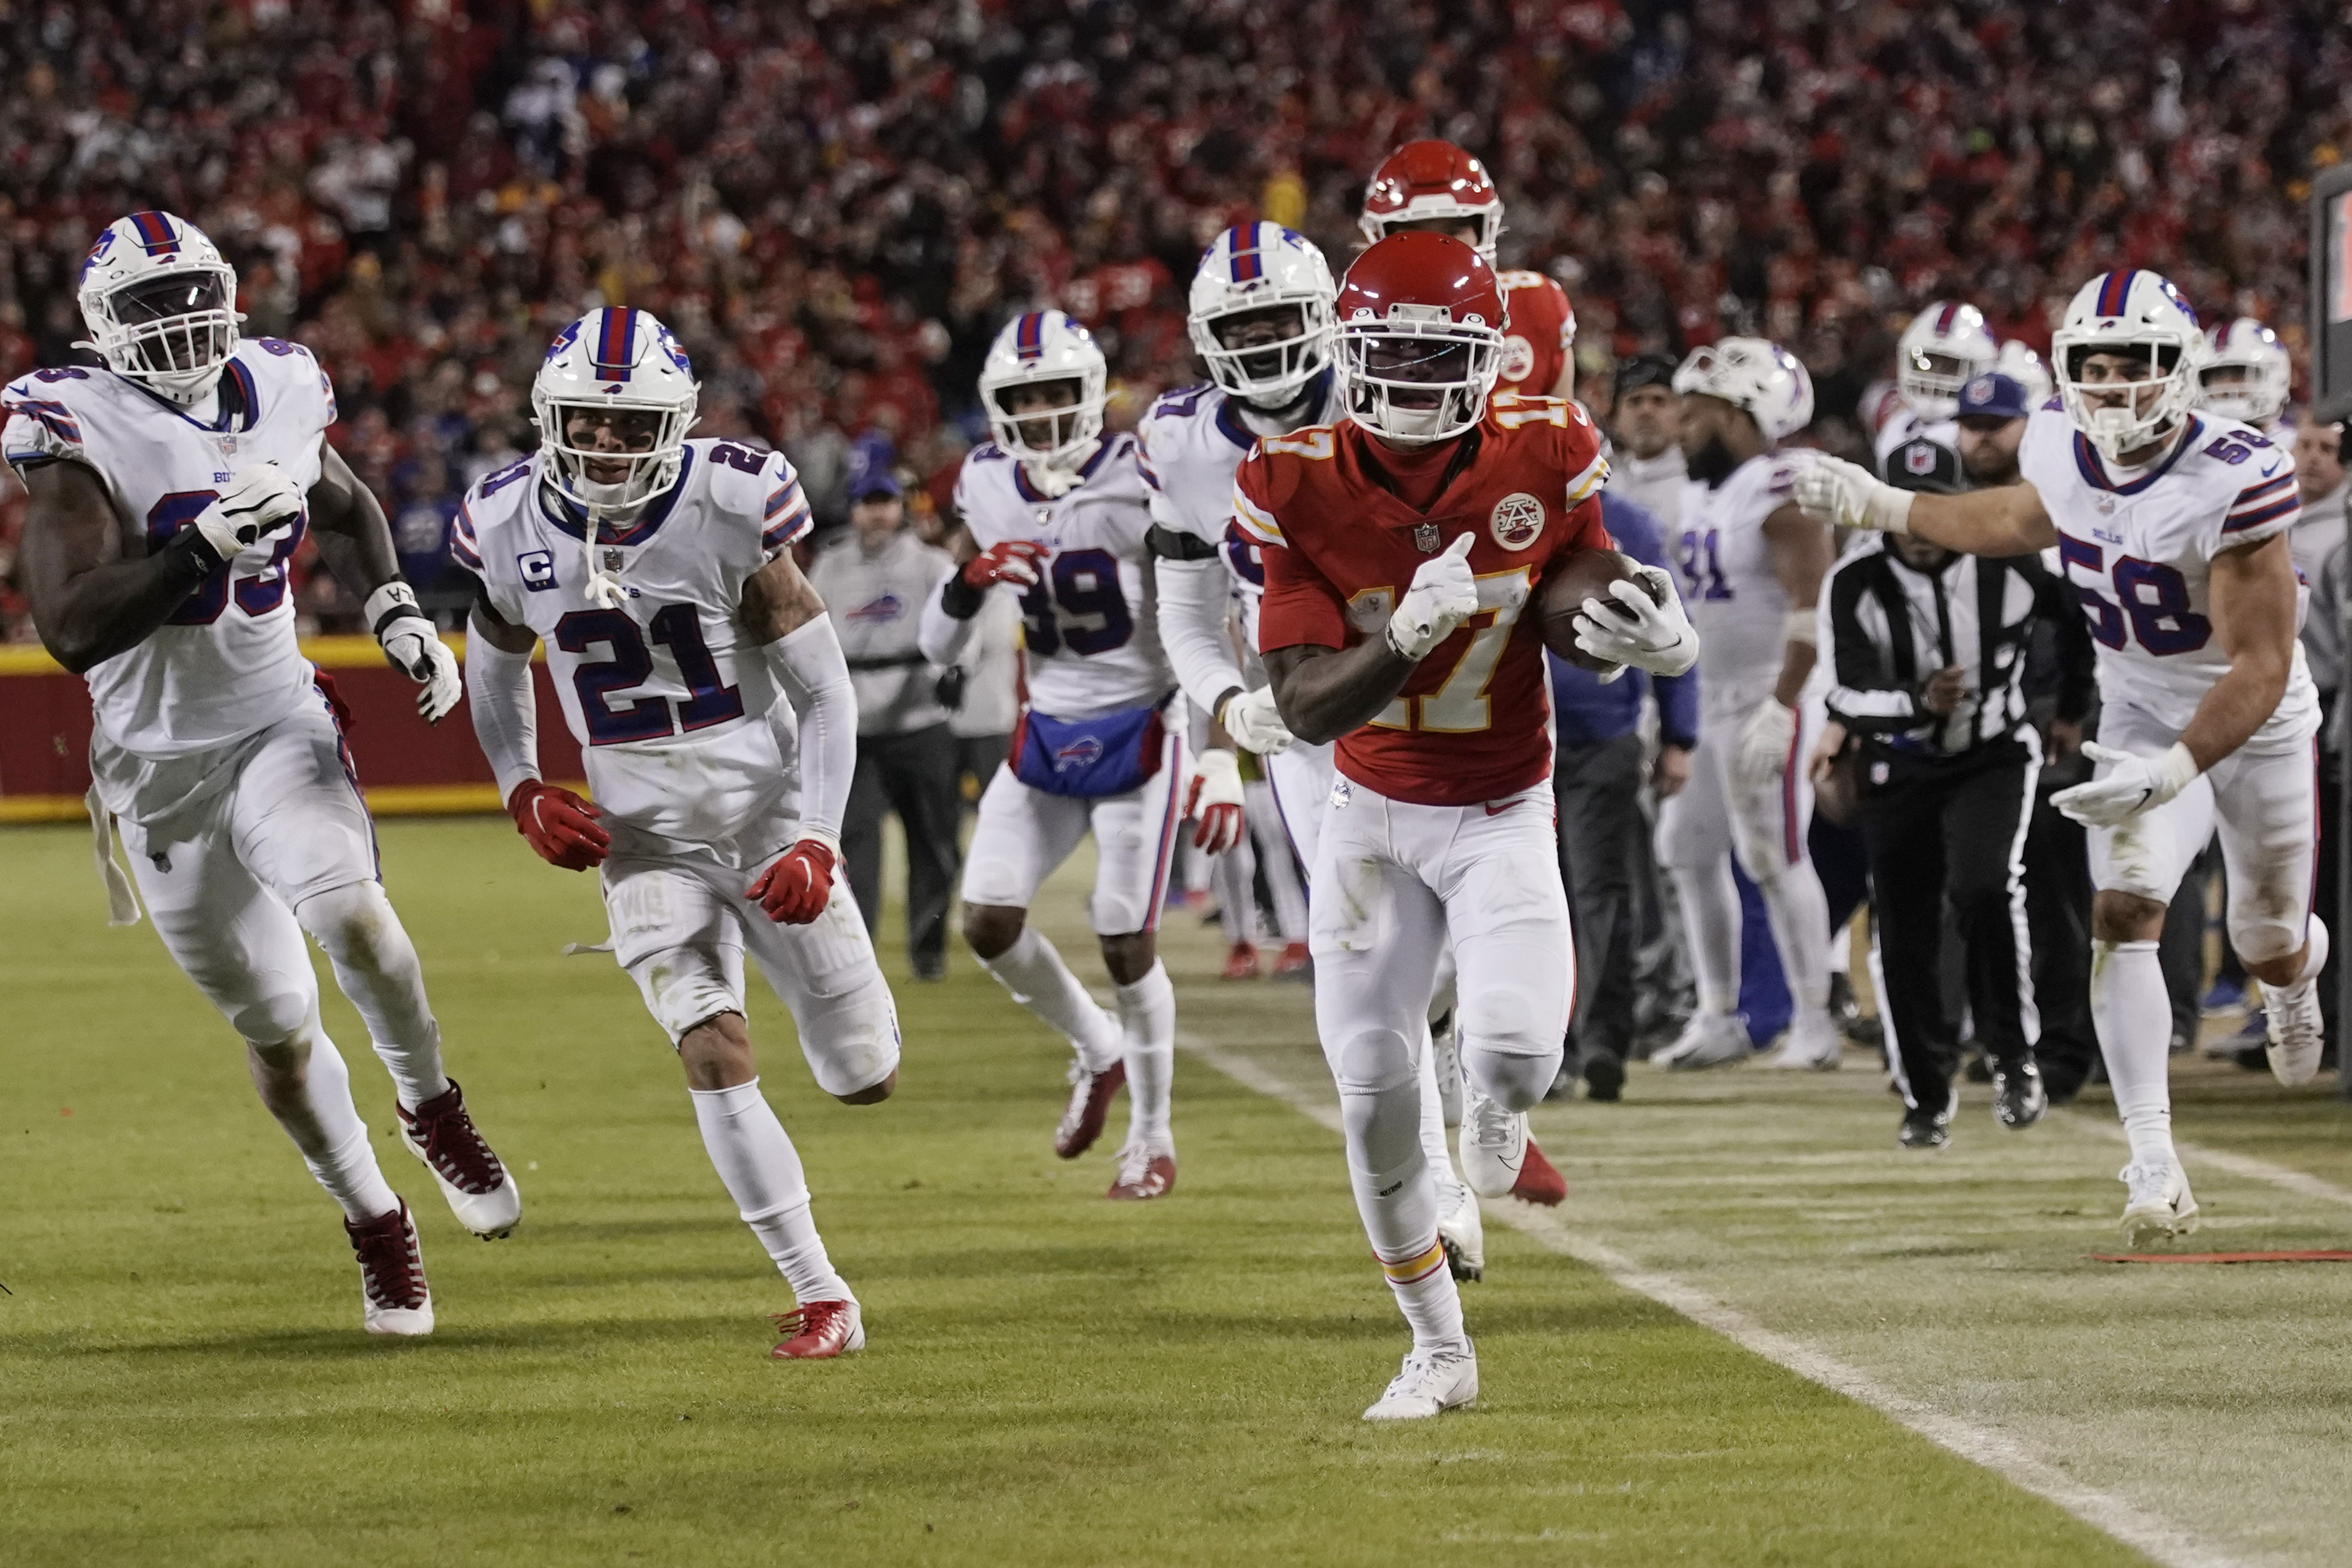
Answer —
2164 1542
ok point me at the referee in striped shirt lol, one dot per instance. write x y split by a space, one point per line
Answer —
1929 648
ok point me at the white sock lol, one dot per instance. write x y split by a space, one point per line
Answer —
375 965
1426 1295
1798 913
1433 1141
1147 1018
1233 876
755 1157
2134 1018
1035 974
333 1138
1710 902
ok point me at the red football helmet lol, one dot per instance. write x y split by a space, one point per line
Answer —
1432 180
1421 337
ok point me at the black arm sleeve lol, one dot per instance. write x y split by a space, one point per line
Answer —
1169 545
2078 669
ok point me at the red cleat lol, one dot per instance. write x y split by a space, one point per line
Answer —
1143 1172
1090 1096
819 1330
1540 1181
1295 963
1241 963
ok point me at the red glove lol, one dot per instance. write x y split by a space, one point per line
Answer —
561 825
1014 561
796 888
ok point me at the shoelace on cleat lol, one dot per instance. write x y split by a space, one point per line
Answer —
811 1320
392 1268
1490 1123
1135 1164
454 1147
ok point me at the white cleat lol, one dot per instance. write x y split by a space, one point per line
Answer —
1463 1232
2161 1206
1436 1379
2291 1016
1709 1039
1493 1146
480 1190
393 1298
1812 1044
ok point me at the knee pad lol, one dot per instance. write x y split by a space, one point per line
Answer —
1374 1061
275 1015
354 923
851 1041
1513 1079
2259 939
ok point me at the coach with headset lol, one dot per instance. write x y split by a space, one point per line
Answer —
1929 649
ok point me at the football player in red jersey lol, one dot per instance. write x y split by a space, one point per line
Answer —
1401 546
1437 186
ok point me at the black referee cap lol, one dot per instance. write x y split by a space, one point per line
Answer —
1925 465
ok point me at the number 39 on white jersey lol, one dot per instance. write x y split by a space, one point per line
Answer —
226 664
2137 548
1090 639
667 694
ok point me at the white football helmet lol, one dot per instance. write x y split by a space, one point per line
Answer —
616 360
1261 267
2140 314
2022 365
1945 345
2247 375
161 304
1763 378
1041 347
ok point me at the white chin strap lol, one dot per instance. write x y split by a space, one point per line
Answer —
1049 481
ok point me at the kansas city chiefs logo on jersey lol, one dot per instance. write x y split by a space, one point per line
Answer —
1518 521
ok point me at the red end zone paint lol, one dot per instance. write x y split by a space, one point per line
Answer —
2218 1257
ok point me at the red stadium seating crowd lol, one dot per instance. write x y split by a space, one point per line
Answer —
834 205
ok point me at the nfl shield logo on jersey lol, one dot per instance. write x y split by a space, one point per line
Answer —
1424 537
1517 520
1919 458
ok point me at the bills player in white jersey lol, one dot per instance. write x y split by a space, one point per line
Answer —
1752 566
2247 375
168 490
1945 345
1060 511
702 678
2172 526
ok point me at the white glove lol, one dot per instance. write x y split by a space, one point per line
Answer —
415 648
1444 594
1214 801
1762 751
2133 783
258 501
1645 632
1833 491
1255 723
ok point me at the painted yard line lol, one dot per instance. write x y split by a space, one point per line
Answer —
2302 1182
2164 1542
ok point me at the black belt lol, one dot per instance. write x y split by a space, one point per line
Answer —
888 661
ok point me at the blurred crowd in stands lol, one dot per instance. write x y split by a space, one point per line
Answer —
834 205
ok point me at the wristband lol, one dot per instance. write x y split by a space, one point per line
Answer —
959 599
1800 627
192 555
389 603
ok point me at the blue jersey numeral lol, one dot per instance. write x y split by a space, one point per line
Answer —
628 662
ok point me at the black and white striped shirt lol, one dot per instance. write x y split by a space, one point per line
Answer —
1890 628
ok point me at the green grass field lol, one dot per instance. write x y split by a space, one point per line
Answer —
1053 1379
